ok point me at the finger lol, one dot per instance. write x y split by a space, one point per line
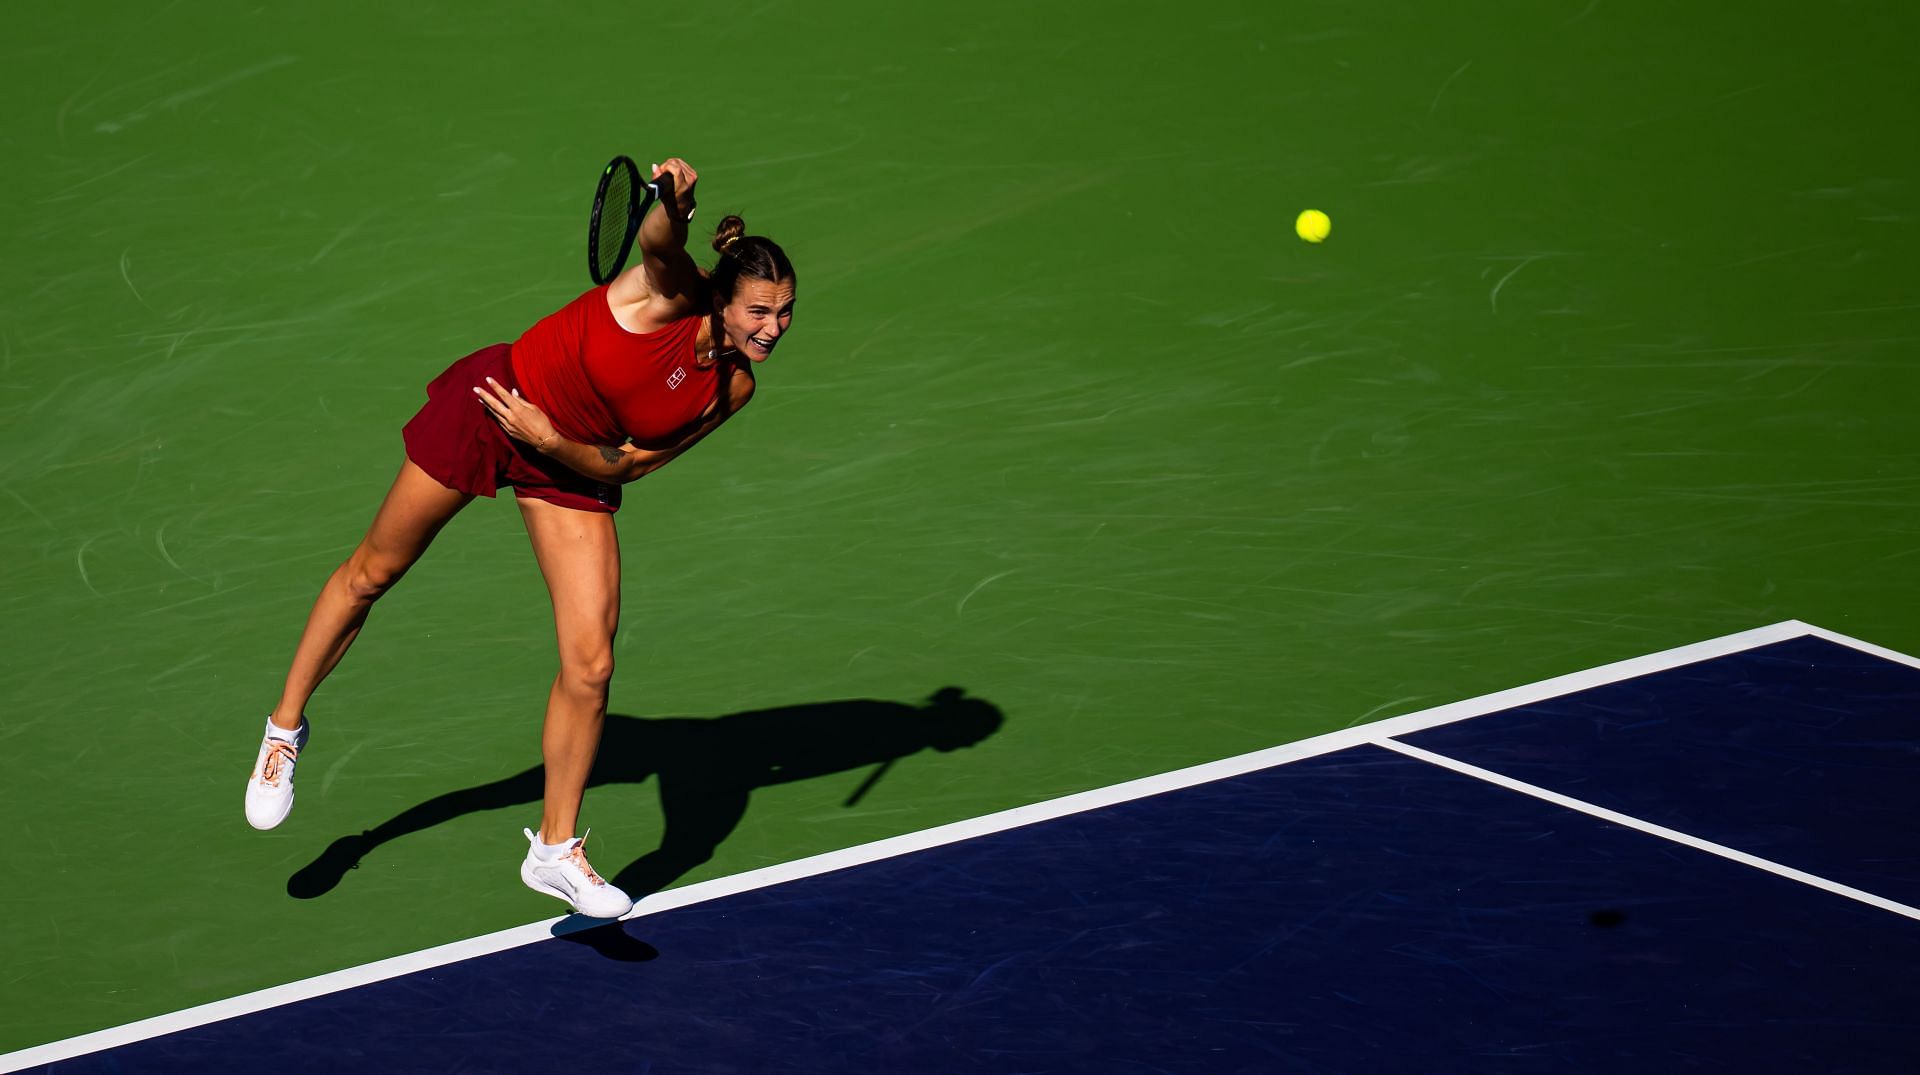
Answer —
488 401
499 392
683 173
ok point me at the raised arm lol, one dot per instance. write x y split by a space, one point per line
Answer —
666 272
527 423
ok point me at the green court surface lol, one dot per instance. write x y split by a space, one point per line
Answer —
1608 352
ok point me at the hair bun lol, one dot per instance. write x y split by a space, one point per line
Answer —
730 230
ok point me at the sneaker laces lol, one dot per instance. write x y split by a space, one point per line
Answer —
577 854
278 751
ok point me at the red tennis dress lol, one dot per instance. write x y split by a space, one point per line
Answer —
597 382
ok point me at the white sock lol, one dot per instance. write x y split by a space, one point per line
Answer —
547 852
288 734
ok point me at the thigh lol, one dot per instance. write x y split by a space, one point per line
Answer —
414 511
579 555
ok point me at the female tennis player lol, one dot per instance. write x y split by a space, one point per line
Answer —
611 387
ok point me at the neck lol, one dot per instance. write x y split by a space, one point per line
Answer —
714 347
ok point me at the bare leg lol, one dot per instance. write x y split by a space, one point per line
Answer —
579 553
414 511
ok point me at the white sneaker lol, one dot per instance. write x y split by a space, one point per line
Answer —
270 787
571 878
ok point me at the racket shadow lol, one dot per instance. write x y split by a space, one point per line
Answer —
707 769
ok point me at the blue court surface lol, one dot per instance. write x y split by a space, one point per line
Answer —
1700 860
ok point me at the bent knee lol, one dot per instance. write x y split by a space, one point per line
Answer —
369 577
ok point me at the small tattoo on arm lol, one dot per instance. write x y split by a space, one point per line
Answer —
611 455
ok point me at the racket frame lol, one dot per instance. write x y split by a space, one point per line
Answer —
641 194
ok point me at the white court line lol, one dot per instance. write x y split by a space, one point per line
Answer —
1648 827
1864 647
908 843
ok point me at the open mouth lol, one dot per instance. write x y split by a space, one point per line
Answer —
758 346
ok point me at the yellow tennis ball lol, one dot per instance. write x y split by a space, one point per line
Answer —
1312 225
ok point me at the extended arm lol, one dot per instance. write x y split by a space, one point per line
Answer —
666 271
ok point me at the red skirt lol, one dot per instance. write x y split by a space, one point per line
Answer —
456 441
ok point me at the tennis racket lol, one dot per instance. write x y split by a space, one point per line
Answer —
619 205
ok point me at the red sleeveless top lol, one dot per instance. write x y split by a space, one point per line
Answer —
601 384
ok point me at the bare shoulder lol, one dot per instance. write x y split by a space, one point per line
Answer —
740 387
639 305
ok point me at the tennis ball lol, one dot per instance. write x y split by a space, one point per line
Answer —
1312 225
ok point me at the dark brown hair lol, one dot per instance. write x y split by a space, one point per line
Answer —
754 257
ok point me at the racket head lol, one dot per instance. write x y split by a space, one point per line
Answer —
616 219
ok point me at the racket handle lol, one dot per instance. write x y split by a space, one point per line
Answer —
661 187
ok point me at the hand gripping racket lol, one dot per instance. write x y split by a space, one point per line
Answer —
619 205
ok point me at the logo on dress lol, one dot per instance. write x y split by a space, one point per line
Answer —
679 375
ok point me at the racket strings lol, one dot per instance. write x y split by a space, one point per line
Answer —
610 243
617 209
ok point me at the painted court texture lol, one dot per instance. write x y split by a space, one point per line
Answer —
1611 351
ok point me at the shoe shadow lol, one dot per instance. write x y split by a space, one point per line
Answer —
707 770
610 939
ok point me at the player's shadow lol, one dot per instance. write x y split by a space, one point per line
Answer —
707 769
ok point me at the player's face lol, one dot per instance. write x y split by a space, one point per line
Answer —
758 316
